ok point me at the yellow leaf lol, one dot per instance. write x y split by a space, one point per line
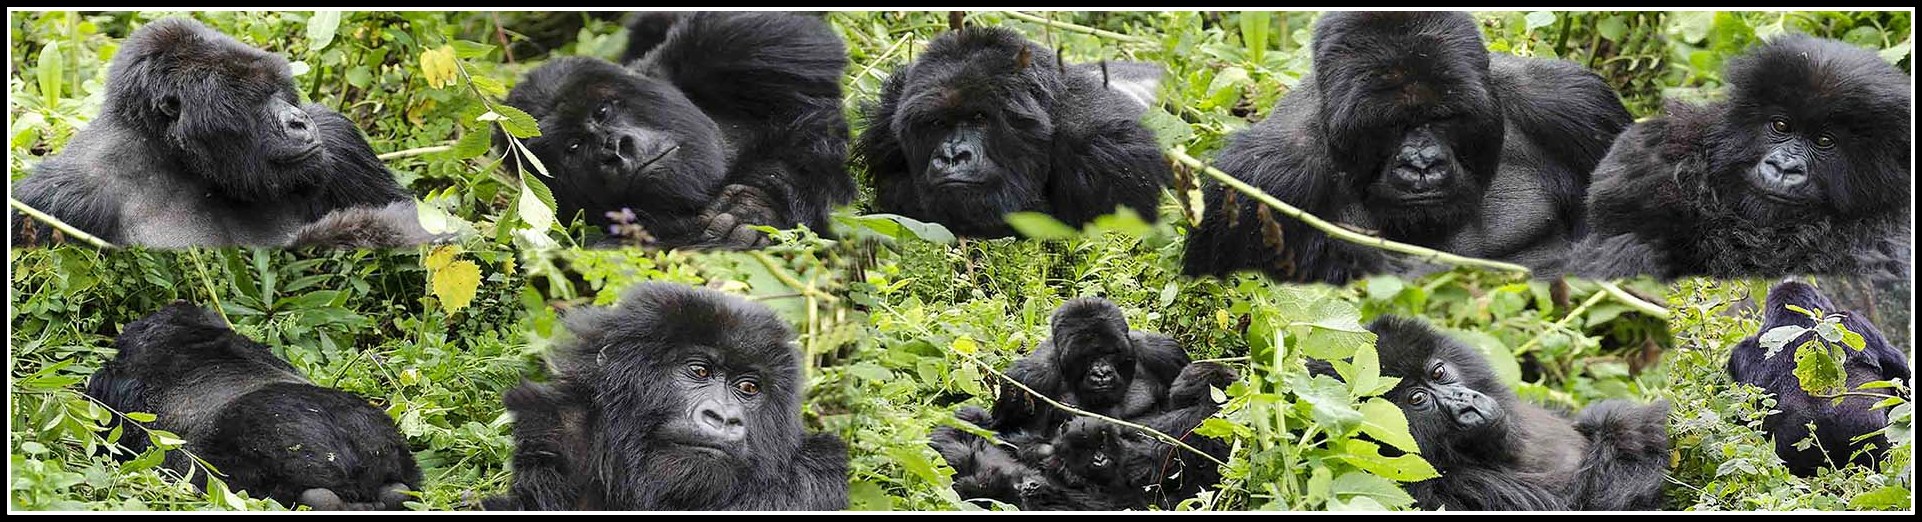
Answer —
965 345
440 257
456 284
438 68
1223 319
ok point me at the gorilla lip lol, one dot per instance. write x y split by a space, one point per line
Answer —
305 154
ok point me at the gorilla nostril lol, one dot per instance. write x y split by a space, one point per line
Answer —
962 156
714 419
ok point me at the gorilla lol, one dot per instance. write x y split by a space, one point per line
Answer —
678 398
1803 170
1837 425
1094 465
201 141
729 121
272 432
1092 361
1498 453
1411 129
986 123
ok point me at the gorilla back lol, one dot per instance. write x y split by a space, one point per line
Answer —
1837 425
201 141
1411 128
677 398
252 416
726 121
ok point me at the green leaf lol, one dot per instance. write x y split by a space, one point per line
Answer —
140 416
1895 55
52 73
1405 468
516 121
1500 358
1886 497
913 459
467 50
1040 226
1383 288
1828 331
1169 129
1329 403
1352 485
320 29
1818 371
897 227
472 143
535 203
1854 340
456 284
868 496
1254 33
1773 340
1804 311
1539 19
1383 421
1612 28
1364 372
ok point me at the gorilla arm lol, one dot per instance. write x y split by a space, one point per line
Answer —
550 436
822 479
1014 409
1636 205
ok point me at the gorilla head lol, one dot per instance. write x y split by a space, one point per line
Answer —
227 111
1457 407
1410 113
973 121
615 138
1810 131
1093 352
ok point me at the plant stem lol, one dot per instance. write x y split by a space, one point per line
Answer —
1645 307
1079 28
57 224
1337 232
417 151
1563 323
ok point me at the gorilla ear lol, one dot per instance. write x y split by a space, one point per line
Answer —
168 105
1136 82
1022 59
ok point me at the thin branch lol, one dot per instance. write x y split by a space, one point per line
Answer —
56 223
1243 358
1080 28
1335 231
418 151
1645 307
1563 323
789 280
1084 413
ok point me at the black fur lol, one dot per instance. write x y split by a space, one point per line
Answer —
730 120
1064 140
1836 425
259 421
1516 136
1515 455
1678 194
192 148
618 429
1087 331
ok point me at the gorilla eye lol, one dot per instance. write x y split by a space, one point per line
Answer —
601 113
1438 372
1418 398
748 387
574 146
1780 125
700 371
1824 141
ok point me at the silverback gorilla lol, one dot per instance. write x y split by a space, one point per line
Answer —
269 430
986 123
1837 425
1496 452
1803 171
201 141
677 398
1411 128
721 122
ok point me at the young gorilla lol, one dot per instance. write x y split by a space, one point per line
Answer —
201 141
1836 425
1092 361
1094 465
678 398
1804 170
1411 128
259 421
731 120
1498 453
986 123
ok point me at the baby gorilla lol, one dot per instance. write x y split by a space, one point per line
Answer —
1497 453
1092 362
201 141
1837 425
1803 171
728 121
678 398
252 416
986 123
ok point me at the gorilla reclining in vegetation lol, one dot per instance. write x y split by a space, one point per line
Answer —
1410 128
201 141
719 123
269 430
677 398
1058 461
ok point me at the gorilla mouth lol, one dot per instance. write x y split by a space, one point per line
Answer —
1780 199
303 155
1425 199
959 183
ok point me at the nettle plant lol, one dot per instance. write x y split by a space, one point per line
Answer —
1820 367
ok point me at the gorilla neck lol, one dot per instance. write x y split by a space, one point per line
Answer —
662 477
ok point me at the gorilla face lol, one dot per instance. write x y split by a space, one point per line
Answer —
1411 115
615 138
1457 408
1807 133
227 110
974 123
1093 351
1090 452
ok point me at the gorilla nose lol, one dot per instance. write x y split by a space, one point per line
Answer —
721 421
1784 169
951 156
619 148
297 124
1027 485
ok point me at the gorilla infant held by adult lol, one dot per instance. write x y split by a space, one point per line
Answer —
986 123
723 121
1410 128
1497 452
1803 171
1837 425
678 398
202 141
267 428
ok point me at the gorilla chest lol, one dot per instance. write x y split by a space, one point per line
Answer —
184 216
